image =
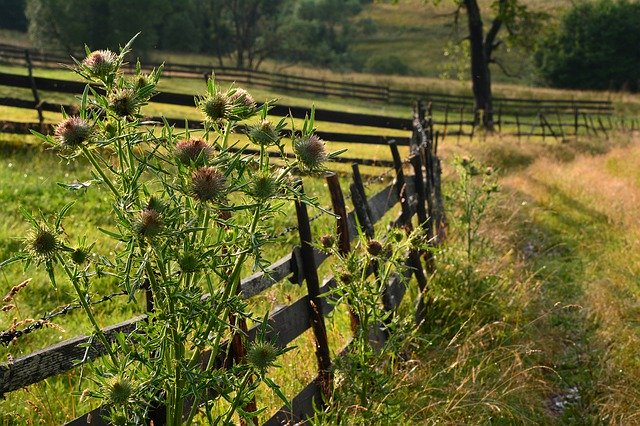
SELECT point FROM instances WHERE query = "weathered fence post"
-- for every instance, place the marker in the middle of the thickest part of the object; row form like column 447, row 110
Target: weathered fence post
column 310, row 274
column 344, row 245
column 405, row 217
column 34, row 91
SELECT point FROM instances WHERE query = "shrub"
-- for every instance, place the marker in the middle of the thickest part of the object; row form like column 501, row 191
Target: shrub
column 597, row 46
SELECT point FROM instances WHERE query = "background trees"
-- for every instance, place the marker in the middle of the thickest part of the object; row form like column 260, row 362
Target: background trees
column 244, row 31
column 596, row 46
column 512, row 22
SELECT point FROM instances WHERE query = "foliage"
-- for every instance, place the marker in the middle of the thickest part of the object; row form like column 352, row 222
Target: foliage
column 189, row 212
column 595, row 47
column 13, row 17
column 246, row 31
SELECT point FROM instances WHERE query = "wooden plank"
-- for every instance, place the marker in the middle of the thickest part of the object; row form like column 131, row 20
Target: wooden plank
column 302, row 406
column 56, row 359
column 310, row 271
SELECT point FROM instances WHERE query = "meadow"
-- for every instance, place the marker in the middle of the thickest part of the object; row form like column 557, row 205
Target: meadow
column 542, row 327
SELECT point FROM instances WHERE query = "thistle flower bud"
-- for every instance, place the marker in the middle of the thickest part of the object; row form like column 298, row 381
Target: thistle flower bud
column 241, row 97
column 207, row 184
column 43, row 244
column 311, row 151
column 262, row 354
column 374, row 247
column 118, row 390
column 100, row 62
column 72, row 132
column 123, row 102
column 263, row 134
column 327, row 241
column 149, row 223
column 215, row 107
column 80, row 255
column 192, row 151
column 263, row 186
column 189, row 262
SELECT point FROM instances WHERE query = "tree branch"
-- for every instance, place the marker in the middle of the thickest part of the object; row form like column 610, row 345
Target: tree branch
column 503, row 68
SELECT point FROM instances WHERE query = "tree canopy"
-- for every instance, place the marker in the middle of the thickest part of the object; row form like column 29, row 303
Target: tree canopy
column 596, row 46
column 247, row 31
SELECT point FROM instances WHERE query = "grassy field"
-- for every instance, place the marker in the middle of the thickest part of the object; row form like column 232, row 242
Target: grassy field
column 542, row 329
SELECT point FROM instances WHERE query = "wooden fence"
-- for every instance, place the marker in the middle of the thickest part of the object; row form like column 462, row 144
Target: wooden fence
column 442, row 102
column 419, row 197
column 39, row 86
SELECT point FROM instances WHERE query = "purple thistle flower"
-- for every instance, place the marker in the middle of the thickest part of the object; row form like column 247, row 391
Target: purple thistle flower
column 100, row 62
column 207, row 184
column 72, row 132
column 311, row 151
column 194, row 150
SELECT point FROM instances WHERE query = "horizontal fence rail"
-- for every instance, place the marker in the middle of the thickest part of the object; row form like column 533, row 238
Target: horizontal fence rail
column 70, row 87
column 340, row 88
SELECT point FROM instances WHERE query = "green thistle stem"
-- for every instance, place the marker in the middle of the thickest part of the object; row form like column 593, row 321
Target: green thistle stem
column 98, row 169
column 87, row 309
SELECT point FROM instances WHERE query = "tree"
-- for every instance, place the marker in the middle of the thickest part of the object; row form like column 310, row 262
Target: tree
column 520, row 24
column 12, row 16
column 100, row 24
column 596, row 46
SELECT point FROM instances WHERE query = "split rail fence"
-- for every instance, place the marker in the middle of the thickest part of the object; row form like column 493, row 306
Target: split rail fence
column 557, row 118
column 419, row 196
column 39, row 86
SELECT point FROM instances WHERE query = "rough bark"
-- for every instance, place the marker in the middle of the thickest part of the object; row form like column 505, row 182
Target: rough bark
column 480, row 59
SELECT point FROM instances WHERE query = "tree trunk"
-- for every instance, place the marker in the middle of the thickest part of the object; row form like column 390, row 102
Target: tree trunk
column 480, row 58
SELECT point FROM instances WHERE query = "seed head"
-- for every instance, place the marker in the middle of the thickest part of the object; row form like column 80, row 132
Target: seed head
column 149, row 223
column 311, row 151
column 72, row 132
column 374, row 247
column 216, row 107
column 123, row 102
column 263, row 134
column 118, row 390
column 100, row 62
column 262, row 354
column 263, row 186
column 43, row 244
column 207, row 184
column 192, row 151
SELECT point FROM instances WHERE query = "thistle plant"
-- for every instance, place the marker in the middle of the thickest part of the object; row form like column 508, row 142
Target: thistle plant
column 366, row 389
column 190, row 214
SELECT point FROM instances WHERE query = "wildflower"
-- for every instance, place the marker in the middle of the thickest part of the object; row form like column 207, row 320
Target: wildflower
column 194, row 150
column 149, row 223
column 43, row 244
column 262, row 354
column 215, row 107
column 242, row 98
column 207, row 184
column 123, row 102
column 100, row 62
column 72, row 132
column 263, row 134
column 311, row 151
column 263, row 186
column 374, row 247
column 118, row 390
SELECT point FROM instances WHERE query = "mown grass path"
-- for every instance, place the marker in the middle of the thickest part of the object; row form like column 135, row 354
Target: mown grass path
column 574, row 225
